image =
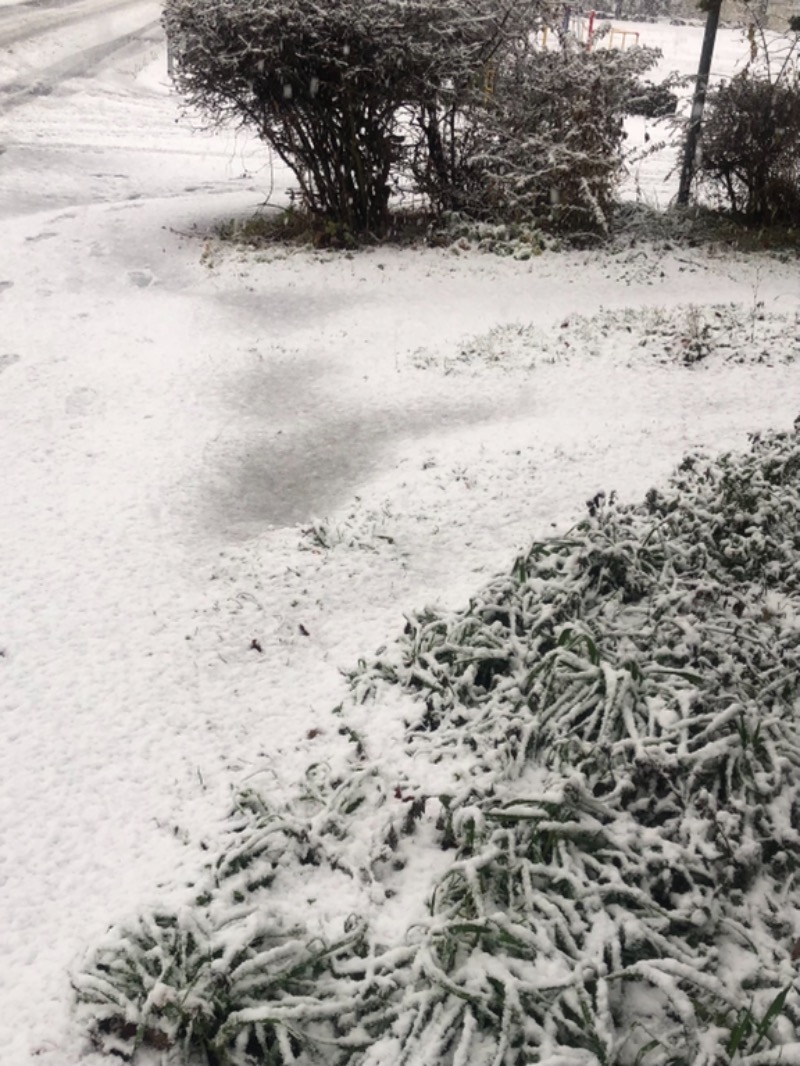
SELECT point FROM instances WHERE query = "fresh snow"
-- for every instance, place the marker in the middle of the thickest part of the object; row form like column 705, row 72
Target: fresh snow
column 228, row 473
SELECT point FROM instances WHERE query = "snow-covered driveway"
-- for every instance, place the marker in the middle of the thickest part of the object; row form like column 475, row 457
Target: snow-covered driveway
column 172, row 411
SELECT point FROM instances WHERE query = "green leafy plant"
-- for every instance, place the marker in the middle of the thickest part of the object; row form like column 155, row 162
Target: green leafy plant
column 581, row 846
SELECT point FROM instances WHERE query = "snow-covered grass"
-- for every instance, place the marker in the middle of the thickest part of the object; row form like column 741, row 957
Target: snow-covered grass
column 228, row 474
column 683, row 335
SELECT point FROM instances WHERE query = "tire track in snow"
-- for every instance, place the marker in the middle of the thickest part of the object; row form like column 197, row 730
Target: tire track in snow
column 19, row 23
column 43, row 82
column 21, row 5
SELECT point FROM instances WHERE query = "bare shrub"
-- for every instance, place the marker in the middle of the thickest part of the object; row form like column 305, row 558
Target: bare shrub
column 750, row 146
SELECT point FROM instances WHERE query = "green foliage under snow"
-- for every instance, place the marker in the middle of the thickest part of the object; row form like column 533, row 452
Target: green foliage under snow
column 687, row 335
column 568, row 817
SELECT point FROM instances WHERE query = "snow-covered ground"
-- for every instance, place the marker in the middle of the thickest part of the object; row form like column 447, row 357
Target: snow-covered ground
column 174, row 413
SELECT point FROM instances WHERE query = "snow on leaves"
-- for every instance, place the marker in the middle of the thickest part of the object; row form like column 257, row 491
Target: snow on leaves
column 688, row 336
column 568, row 817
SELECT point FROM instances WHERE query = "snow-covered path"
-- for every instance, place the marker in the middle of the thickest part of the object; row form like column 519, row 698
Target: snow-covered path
column 173, row 411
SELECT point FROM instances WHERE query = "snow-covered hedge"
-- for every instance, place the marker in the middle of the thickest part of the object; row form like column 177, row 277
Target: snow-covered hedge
column 330, row 84
column 548, row 143
column 467, row 102
column 560, row 826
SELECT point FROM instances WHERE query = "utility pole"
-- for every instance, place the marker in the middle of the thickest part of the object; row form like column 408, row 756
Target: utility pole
column 699, row 100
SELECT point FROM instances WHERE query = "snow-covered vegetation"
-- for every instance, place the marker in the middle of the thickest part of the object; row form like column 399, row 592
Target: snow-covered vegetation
column 468, row 105
column 230, row 472
column 689, row 335
column 563, row 823
column 750, row 157
column 492, row 111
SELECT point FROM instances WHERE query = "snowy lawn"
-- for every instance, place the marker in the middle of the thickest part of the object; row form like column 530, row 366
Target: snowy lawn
column 227, row 475
column 559, row 825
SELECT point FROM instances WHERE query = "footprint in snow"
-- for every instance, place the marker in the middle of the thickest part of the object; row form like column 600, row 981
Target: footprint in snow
column 6, row 285
column 83, row 401
column 8, row 360
column 140, row 278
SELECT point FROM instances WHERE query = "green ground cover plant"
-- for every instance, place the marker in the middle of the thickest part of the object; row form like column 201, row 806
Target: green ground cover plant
column 559, row 826
column 687, row 335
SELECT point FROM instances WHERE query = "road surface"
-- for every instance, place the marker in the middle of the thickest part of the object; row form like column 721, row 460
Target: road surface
column 43, row 43
column 87, row 116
